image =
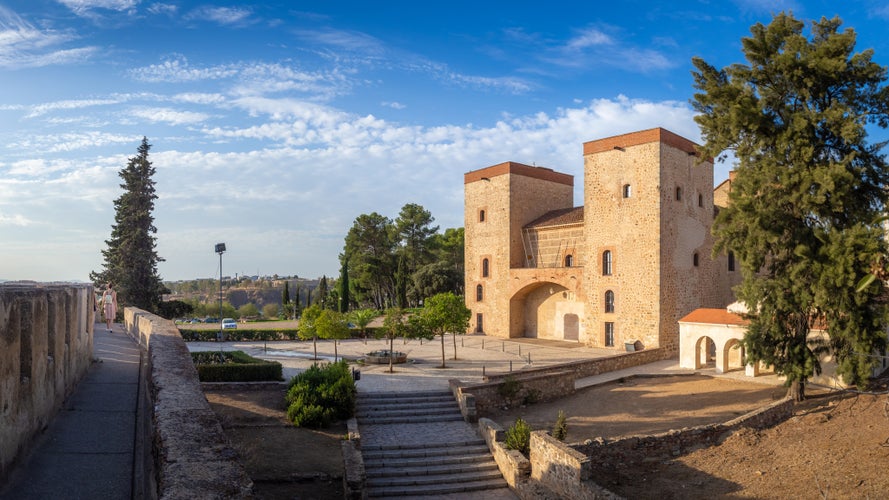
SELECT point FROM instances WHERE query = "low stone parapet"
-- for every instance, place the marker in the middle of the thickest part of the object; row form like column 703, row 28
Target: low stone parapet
column 480, row 400
column 193, row 458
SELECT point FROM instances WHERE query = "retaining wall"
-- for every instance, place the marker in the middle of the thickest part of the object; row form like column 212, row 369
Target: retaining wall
column 590, row 367
column 193, row 458
column 480, row 400
column 46, row 346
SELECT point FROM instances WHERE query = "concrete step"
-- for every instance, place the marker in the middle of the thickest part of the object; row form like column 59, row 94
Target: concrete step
column 437, row 489
column 415, row 419
column 430, row 468
column 364, row 411
column 434, row 479
column 415, row 398
column 456, row 450
column 396, row 446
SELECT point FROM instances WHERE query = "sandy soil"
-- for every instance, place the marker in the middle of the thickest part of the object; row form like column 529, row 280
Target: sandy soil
column 835, row 446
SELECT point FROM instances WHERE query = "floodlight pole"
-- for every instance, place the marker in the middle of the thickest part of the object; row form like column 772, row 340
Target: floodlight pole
column 220, row 249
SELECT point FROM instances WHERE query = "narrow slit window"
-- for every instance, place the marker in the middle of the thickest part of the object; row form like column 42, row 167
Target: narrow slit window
column 606, row 263
column 485, row 268
column 609, row 301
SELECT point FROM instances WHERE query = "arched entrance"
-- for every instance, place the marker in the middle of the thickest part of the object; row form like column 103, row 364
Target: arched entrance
column 546, row 310
column 733, row 356
column 705, row 353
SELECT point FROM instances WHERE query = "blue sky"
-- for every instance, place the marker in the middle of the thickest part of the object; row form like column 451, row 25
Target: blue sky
column 275, row 125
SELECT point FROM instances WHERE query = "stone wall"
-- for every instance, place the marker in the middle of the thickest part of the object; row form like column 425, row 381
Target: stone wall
column 480, row 400
column 589, row 367
column 565, row 468
column 193, row 458
column 46, row 346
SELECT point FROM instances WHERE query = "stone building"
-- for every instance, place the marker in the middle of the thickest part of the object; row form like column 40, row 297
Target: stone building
column 622, row 268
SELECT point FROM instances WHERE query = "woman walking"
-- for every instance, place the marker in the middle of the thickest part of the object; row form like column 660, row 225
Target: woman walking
column 109, row 305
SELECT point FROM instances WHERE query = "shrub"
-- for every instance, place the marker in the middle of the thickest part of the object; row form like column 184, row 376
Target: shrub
column 234, row 366
column 531, row 396
column 509, row 389
column 320, row 395
column 560, row 429
column 518, row 437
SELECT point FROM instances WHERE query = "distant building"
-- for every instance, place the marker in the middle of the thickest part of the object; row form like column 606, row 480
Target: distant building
column 624, row 267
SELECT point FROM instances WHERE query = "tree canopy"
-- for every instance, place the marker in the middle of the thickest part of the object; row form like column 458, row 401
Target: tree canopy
column 445, row 313
column 130, row 259
column 808, row 192
column 401, row 262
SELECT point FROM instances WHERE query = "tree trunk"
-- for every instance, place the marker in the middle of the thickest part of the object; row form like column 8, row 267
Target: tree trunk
column 391, row 341
column 797, row 390
column 442, row 351
column 335, row 353
column 315, row 346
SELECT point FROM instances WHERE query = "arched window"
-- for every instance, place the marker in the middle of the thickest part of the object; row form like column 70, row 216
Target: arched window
column 479, row 291
column 628, row 191
column 606, row 263
column 609, row 301
column 700, row 200
column 731, row 261
column 481, row 215
column 485, row 268
column 569, row 260
column 694, row 259
column 678, row 193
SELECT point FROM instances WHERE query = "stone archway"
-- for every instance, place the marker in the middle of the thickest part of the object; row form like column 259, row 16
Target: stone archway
column 734, row 357
column 546, row 310
column 705, row 353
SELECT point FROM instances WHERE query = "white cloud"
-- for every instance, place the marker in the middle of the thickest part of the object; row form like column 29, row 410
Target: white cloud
column 42, row 109
column 167, row 115
column 82, row 6
column 177, row 69
column 163, row 9
column 220, row 15
column 589, row 37
column 393, row 105
column 22, row 45
column 14, row 220
column 72, row 141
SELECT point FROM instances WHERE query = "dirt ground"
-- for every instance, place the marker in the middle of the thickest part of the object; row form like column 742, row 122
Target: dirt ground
column 285, row 462
column 835, row 446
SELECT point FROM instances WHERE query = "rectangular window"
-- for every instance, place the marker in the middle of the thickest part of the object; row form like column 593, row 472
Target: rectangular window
column 609, row 334
column 479, row 328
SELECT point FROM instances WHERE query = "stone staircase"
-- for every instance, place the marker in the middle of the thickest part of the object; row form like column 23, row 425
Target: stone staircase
column 418, row 444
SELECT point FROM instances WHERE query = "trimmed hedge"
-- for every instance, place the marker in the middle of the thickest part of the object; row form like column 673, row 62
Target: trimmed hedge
column 237, row 366
column 251, row 334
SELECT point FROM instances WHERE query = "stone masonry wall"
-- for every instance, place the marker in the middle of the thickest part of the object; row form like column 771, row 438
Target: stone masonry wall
column 46, row 346
column 192, row 454
column 539, row 387
column 588, row 367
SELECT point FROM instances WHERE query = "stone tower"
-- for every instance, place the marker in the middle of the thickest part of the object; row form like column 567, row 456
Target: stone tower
column 622, row 268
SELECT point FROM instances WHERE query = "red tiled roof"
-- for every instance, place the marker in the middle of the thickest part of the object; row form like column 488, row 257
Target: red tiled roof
column 559, row 217
column 713, row 317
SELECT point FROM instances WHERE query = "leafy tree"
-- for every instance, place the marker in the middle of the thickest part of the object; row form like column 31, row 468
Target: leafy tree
column 285, row 296
column 396, row 324
column 438, row 277
column 344, row 286
column 414, row 229
column 307, row 329
column 362, row 318
column 401, row 283
column 806, row 195
column 271, row 311
column 248, row 310
column 332, row 325
column 131, row 257
column 443, row 313
column 370, row 247
column 321, row 292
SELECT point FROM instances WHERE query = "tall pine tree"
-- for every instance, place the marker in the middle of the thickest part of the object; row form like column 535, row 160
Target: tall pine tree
column 807, row 195
column 131, row 257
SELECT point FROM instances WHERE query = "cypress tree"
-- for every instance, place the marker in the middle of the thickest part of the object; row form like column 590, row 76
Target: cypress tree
column 344, row 286
column 130, row 259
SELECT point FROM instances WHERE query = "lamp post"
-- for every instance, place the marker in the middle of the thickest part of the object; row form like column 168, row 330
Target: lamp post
column 220, row 249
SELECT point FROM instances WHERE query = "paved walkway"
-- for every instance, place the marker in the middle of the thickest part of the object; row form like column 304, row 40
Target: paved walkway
column 88, row 450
